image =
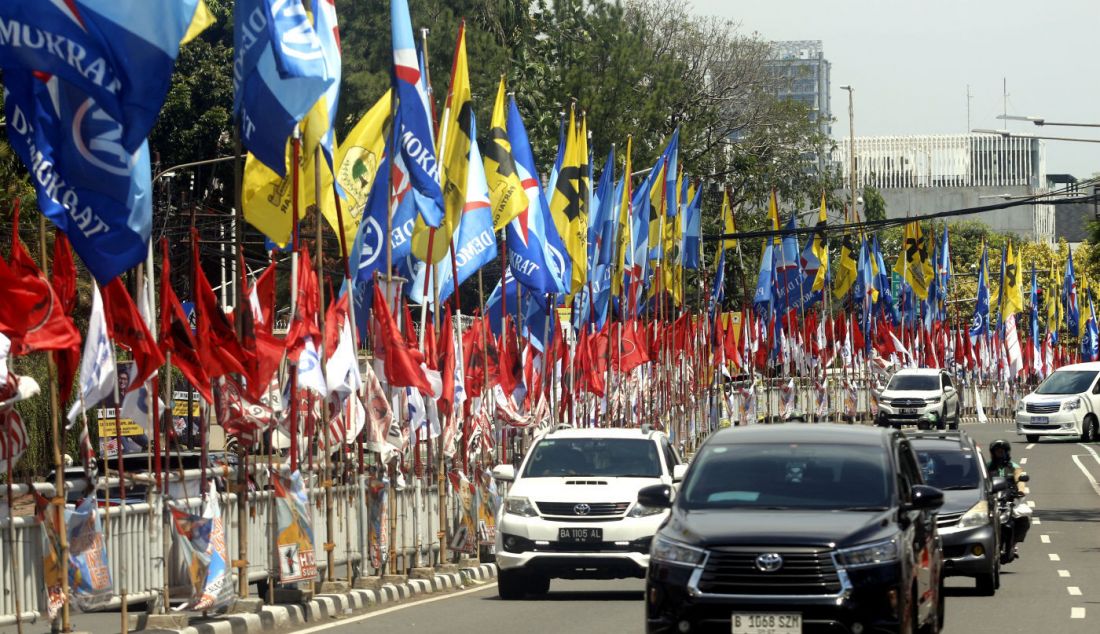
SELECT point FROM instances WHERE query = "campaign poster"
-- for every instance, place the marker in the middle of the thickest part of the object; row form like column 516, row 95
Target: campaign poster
column 89, row 573
column 51, row 555
column 295, row 530
column 202, row 540
column 378, row 499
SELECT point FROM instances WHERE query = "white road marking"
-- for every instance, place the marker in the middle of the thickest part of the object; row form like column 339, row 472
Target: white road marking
column 1077, row 613
column 1064, row 574
column 371, row 615
column 1074, row 591
column 1089, row 449
column 1088, row 476
column 1035, row 521
column 1030, row 446
column 1031, row 503
column 1023, row 461
column 1045, row 539
column 1054, row 557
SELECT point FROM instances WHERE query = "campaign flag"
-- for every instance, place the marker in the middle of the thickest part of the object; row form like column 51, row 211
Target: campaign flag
column 569, row 203
column 846, row 269
column 692, row 240
column 603, row 211
column 1012, row 298
column 913, row 263
column 97, row 365
column 980, row 323
column 88, row 184
column 788, row 272
column 119, row 54
column 536, row 253
column 1033, row 326
column 815, row 257
column 762, row 299
column 1069, row 296
column 507, row 192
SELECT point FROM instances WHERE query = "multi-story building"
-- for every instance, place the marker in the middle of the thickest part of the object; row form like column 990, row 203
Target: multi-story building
column 919, row 175
column 804, row 76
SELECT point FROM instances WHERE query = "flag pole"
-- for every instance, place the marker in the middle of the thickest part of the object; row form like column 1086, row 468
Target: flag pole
column 322, row 427
column 242, row 461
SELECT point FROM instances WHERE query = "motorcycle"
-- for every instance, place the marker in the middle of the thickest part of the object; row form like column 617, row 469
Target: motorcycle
column 1014, row 517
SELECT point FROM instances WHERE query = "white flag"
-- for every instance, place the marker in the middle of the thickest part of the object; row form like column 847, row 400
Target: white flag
column 309, row 370
column 342, row 368
column 97, row 365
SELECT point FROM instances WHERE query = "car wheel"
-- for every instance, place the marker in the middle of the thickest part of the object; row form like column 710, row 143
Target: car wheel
column 511, row 584
column 538, row 584
column 1088, row 429
column 1032, row 437
column 958, row 418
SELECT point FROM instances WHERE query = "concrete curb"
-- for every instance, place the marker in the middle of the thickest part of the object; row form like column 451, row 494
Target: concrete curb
column 992, row 420
column 326, row 607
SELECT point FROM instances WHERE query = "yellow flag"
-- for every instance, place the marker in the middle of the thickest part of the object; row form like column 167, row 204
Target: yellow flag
column 846, row 268
column 728, row 223
column 358, row 156
column 201, row 19
column 568, row 201
column 913, row 263
column 455, row 136
column 268, row 199
column 1053, row 301
column 657, row 202
column 506, row 193
column 820, row 248
column 773, row 213
column 626, row 240
column 1012, row 297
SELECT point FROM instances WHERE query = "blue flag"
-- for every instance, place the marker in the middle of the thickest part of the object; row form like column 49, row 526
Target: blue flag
column 1090, row 343
column 788, row 272
column 979, row 325
column 94, row 191
column 1069, row 297
column 762, row 299
column 604, row 209
column 535, row 250
column 279, row 72
column 120, row 55
column 1034, row 325
column 692, row 231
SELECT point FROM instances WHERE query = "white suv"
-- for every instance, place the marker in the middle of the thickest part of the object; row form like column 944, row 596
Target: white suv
column 1065, row 404
column 914, row 393
column 572, row 511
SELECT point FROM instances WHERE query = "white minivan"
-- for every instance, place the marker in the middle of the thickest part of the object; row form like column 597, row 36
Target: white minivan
column 1067, row 403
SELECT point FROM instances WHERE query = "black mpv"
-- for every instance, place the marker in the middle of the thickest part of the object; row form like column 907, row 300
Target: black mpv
column 784, row 529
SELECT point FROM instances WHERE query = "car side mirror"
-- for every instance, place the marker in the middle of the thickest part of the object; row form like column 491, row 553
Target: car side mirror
column 657, row 496
column 999, row 484
column 1024, row 477
column 504, row 473
column 925, row 498
column 678, row 472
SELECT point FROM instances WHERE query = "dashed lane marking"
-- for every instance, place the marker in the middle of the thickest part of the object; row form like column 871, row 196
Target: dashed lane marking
column 1064, row 574
column 1088, row 476
column 1031, row 503
column 1054, row 557
column 1030, row 446
column 1036, row 521
column 1074, row 591
column 1077, row 613
column 1023, row 461
column 1045, row 539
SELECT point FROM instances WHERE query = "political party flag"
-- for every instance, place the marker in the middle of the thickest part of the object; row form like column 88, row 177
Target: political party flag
column 1033, row 326
column 568, row 205
column 820, row 249
column 914, row 265
column 692, row 240
column 847, row 268
column 506, row 190
column 729, row 222
column 128, row 329
column 535, row 251
column 280, row 70
column 359, row 160
column 1069, row 296
column 120, row 55
column 97, row 365
column 765, row 282
column 980, row 323
column 1012, row 299
column 603, row 210
column 788, row 272
column 623, row 248
column 88, row 184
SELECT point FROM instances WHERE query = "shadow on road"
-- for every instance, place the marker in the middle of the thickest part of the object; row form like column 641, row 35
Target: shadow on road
column 1068, row 515
column 581, row 596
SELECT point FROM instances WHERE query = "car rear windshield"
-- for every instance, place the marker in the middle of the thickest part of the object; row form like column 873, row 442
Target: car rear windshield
column 599, row 457
column 914, row 382
column 789, row 476
column 1067, row 382
column 949, row 469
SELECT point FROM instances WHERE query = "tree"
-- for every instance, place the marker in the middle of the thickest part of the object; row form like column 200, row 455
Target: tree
column 874, row 205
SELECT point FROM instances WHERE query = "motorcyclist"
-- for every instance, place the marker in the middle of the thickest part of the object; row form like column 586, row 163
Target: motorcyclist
column 1001, row 465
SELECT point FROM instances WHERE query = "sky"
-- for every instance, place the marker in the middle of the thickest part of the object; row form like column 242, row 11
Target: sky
column 910, row 64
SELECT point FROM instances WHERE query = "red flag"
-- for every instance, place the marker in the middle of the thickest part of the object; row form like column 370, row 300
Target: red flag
column 446, row 347
column 219, row 349
column 31, row 314
column 307, row 304
column 431, row 354
column 263, row 350
column 586, row 377
column 633, row 352
column 334, row 321
column 859, row 344
column 128, row 329
column 510, row 363
column 733, row 350
column 261, row 296
column 63, row 280
column 176, row 336
column 402, row 364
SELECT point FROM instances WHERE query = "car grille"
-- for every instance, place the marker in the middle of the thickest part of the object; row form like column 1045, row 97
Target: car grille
column 804, row 572
column 907, row 402
column 595, row 509
column 943, row 520
column 1043, row 408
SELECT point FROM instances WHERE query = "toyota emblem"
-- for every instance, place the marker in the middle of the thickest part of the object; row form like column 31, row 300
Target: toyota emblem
column 769, row 562
column 582, row 509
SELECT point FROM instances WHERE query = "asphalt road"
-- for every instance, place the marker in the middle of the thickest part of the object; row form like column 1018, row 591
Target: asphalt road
column 1053, row 588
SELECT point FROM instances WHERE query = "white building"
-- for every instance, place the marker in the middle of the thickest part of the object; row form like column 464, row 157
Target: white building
column 919, row 175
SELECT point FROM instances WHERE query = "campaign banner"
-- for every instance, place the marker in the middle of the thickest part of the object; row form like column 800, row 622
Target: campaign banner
column 464, row 537
column 89, row 573
column 51, row 555
column 377, row 534
column 202, row 541
column 489, row 502
column 295, row 529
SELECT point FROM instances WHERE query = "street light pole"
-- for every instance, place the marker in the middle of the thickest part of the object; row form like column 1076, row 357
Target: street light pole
column 851, row 150
column 1012, row 135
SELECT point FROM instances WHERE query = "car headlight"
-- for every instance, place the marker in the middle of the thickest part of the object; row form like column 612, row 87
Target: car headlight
column 641, row 510
column 673, row 552
column 1071, row 405
column 978, row 515
column 874, row 554
column 932, row 401
column 1021, row 407
column 520, row 506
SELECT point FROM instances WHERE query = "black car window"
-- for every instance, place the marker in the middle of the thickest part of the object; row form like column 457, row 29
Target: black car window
column 914, row 382
column 670, row 454
column 1067, row 382
column 949, row 469
column 908, row 472
column 788, row 476
column 601, row 457
column 947, row 381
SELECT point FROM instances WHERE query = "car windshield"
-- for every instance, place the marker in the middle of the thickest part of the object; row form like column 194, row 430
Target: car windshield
column 948, row 469
column 1067, row 382
column 788, row 476
column 601, row 457
column 914, row 382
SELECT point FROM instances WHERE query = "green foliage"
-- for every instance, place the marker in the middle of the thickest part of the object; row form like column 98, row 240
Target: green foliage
column 874, row 205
